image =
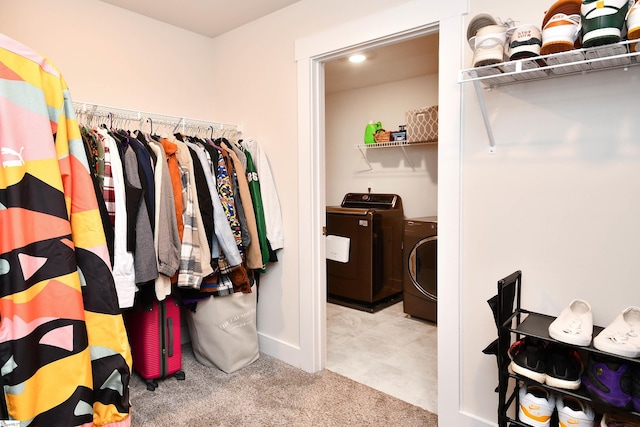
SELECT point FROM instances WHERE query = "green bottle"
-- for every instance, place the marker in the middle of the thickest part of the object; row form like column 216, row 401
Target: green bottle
column 369, row 131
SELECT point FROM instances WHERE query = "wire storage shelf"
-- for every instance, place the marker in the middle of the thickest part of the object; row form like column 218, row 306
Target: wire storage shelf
column 577, row 61
column 390, row 144
column 621, row 55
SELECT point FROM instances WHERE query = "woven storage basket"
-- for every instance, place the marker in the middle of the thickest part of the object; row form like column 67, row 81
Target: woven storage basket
column 422, row 124
column 383, row 136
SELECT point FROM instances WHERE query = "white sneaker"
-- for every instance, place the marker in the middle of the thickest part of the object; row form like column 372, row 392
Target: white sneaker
column 622, row 336
column 525, row 42
column 536, row 406
column 574, row 325
column 489, row 45
column 573, row 412
column 633, row 25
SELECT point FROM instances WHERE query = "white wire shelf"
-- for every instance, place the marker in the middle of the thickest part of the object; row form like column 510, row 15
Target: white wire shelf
column 577, row 61
column 393, row 144
column 621, row 55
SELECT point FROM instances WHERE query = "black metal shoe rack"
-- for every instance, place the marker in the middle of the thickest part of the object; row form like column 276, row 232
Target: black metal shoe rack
column 513, row 324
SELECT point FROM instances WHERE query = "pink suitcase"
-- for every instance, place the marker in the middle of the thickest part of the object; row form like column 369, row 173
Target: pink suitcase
column 154, row 336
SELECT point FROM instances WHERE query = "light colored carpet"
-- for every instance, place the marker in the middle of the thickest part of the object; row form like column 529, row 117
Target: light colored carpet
column 267, row 393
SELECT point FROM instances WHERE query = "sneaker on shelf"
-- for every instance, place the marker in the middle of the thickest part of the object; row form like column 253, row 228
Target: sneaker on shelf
column 619, row 420
column 563, row 367
column 525, row 42
column 608, row 380
column 635, row 387
column 561, row 27
column 602, row 21
column 489, row 45
column 622, row 336
column 481, row 20
column 574, row 325
column 572, row 412
column 528, row 358
column 536, row 406
column 633, row 25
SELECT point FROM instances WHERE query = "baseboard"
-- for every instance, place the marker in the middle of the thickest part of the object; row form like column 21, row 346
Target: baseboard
column 286, row 352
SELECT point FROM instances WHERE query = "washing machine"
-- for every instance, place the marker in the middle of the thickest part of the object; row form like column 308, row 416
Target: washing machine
column 365, row 271
column 420, row 261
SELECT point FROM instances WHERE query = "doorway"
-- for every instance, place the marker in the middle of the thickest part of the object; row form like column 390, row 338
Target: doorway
column 387, row 350
column 405, row 21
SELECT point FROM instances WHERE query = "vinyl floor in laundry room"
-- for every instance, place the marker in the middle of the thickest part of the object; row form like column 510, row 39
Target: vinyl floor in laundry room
column 387, row 350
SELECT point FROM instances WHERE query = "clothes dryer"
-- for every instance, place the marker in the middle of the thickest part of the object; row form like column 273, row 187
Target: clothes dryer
column 420, row 259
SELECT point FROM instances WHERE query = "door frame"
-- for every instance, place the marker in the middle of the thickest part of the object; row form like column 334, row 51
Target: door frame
column 409, row 20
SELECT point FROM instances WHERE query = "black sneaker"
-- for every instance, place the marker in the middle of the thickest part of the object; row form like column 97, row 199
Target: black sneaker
column 563, row 367
column 528, row 358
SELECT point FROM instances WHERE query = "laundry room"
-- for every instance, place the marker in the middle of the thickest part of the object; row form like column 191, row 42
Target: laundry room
column 381, row 197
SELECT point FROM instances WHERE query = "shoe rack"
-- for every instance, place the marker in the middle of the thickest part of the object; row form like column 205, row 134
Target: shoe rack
column 578, row 61
column 519, row 323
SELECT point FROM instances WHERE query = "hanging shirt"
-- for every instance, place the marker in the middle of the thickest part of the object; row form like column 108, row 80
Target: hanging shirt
column 165, row 235
column 123, row 265
column 270, row 200
column 66, row 363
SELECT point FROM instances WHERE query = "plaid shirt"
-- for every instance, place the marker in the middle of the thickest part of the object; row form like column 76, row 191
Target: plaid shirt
column 190, row 270
column 108, row 191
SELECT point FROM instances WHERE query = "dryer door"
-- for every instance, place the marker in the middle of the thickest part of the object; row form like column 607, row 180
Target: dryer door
column 423, row 267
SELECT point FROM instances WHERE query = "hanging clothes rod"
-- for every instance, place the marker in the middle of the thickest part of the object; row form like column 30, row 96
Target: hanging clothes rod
column 107, row 112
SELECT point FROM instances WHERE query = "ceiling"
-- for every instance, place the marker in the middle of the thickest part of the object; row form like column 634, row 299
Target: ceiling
column 399, row 61
column 207, row 17
column 211, row 18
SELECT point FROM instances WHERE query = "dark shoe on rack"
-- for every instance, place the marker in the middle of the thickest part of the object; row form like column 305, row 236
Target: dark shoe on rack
column 619, row 420
column 635, row 387
column 563, row 367
column 608, row 380
column 528, row 358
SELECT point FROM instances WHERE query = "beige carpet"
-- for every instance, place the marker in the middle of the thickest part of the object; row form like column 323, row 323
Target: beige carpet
column 267, row 393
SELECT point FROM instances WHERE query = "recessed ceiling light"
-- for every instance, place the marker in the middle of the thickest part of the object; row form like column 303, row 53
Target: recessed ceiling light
column 358, row 58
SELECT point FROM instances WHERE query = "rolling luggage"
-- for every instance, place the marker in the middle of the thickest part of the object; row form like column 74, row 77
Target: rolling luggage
column 154, row 336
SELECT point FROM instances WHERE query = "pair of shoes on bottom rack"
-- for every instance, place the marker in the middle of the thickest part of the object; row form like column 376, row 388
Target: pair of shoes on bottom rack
column 537, row 405
column 547, row 363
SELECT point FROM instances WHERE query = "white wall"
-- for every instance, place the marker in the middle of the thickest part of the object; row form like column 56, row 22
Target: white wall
column 257, row 82
column 559, row 200
column 113, row 57
column 348, row 112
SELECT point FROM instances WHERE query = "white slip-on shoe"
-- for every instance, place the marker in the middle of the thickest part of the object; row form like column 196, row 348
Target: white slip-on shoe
column 622, row 336
column 536, row 405
column 572, row 412
column 574, row 325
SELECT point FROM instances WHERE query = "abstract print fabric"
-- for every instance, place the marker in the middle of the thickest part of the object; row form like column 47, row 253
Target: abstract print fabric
column 64, row 355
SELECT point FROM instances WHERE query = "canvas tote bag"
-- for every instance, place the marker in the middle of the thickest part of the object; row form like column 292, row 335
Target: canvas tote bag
column 223, row 331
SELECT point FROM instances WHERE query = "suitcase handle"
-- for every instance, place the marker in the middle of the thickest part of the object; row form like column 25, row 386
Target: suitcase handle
column 170, row 330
